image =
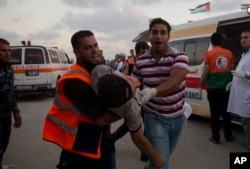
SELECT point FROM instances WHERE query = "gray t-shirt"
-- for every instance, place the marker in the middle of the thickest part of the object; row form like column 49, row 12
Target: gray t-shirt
column 131, row 110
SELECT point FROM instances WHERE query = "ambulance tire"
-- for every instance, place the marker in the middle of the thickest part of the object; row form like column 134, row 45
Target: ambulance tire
column 53, row 92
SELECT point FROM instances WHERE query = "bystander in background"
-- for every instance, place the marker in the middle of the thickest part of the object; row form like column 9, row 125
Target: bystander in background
column 8, row 102
column 239, row 99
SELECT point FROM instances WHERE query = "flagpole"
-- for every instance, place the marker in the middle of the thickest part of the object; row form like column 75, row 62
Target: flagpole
column 209, row 9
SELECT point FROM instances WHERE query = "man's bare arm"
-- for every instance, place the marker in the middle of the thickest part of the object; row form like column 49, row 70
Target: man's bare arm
column 144, row 145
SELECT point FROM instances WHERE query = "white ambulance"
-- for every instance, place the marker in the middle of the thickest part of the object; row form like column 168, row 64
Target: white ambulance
column 38, row 68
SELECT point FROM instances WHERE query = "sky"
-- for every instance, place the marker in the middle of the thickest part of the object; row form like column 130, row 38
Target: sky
column 115, row 23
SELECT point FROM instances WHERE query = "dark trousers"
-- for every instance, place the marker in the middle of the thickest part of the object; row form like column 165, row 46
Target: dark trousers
column 108, row 160
column 5, row 130
column 218, row 101
column 246, row 126
column 70, row 160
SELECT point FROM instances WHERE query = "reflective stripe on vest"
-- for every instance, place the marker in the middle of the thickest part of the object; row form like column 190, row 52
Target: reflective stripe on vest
column 63, row 120
column 62, row 124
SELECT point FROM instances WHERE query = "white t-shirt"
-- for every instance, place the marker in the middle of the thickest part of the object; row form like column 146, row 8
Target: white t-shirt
column 119, row 66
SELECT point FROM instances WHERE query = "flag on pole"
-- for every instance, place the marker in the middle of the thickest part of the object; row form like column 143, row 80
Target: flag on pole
column 201, row 8
column 245, row 6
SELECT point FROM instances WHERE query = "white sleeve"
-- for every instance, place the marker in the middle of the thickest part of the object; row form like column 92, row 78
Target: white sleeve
column 119, row 66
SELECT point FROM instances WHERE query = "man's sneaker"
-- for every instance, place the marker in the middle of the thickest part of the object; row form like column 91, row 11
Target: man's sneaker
column 214, row 141
column 230, row 139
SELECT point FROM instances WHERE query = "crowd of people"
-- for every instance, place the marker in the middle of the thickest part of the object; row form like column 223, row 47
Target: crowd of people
column 147, row 91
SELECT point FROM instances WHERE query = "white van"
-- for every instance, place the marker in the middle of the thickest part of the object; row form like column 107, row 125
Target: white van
column 38, row 68
column 194, row 39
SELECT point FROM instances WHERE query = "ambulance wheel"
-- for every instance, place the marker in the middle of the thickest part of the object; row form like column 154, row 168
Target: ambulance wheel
column 53, row 92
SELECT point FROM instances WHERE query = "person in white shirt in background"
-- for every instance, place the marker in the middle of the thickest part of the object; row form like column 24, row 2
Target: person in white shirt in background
column 122, row 58
column 239, row 99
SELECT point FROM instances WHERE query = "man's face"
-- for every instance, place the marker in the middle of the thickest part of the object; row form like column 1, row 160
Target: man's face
column 245, row 40
column 159, row 37
column 88, row 51
column 132, row 52
column 5, row 52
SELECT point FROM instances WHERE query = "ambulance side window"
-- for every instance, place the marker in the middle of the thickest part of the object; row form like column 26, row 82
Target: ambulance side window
column 54, row 56
column 178, row 45
column 62, row 57
column 202, row 47
column 34, row 56
column 16, row 56
column 195, row 48
column 190, row 50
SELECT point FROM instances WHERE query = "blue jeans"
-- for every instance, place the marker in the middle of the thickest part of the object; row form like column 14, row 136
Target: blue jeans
column 163, row 133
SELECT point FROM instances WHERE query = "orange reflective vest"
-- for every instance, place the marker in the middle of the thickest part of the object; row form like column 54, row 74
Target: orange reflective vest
column 131, row 61
column 128, row 66
column 69, row 128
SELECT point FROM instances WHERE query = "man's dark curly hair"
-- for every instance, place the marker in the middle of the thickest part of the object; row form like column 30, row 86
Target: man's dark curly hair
column 113, row 90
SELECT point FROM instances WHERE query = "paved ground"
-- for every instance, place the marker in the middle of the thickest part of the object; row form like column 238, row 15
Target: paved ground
column 28, row 151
